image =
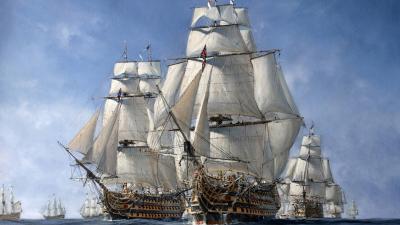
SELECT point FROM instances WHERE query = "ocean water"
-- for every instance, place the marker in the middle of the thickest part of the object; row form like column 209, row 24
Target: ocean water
column 155, row 222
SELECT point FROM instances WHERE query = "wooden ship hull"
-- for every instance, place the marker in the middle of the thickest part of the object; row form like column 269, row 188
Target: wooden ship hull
column 217, row 201
column 58, row 217
column 128, row 205
column 11, row 216
column 308, row 208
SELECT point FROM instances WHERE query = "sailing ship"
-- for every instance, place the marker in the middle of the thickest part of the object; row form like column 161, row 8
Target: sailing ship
column 334, row 201
column 9, row 208
column 353, row 210
column 54, row 210
column 91, row 208
column 227, row 112
column 308, row 186
column 136, row 180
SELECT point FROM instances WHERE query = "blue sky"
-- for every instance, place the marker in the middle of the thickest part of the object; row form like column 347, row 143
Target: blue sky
column 341, row 60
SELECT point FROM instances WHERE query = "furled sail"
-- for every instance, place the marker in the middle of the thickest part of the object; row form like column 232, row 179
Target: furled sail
column 83, row 140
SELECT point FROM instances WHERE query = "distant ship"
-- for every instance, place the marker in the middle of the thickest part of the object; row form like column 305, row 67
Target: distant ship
column 136, row 181
column 308, row 189
column 54, row 210
column 353, row 210
column 91, row 208
column 9, row 208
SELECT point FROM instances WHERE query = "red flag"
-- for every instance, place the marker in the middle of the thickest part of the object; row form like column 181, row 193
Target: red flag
column 204, row 57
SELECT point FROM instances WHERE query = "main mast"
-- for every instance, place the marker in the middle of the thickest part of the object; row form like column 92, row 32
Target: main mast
column 227, row 113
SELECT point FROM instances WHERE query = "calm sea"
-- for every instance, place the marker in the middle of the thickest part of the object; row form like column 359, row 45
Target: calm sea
column 153, row 222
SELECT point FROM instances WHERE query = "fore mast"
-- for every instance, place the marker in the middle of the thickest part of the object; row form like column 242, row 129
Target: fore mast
column 227, row 112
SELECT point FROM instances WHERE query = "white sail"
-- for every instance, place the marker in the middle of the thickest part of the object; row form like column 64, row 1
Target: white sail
column 146, row 168
column 169, row 90
column 248, row 39
column 268, row 91
column 281, row 136
column 222, row 14
column 222, row 39
column 149, row 86
column 183, row 109
column 231, row 86
column 201, row 136
column 290, row 168
column 286, row 91
column 149, row 73
column 133, row 120
column 108, row 161
column 242, row 142
column 126, row 85
column 327, row 171
column 314, row 170
column 125, row 68
column 311, row 145
column 103, row 141
column 149, row 69
column 334, row 194
column 83, row 140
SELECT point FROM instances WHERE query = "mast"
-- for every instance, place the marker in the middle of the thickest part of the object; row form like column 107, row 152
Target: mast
column 3, row 201
column 251, row 127
column 12, row 206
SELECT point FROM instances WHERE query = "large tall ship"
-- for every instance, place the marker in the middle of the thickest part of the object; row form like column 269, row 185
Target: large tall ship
column 54, row 209
column 308, row 189
column 9, row 208
column 136, row 181
column 227, row 112
column 91, row 208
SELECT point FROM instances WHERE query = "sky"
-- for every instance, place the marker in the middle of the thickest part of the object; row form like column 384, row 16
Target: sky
column 341, row 59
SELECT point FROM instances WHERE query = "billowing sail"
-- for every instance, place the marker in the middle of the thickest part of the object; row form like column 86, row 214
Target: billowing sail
column 201, row 136
column 222, row 14
column 311, row 145
column 106, row 144
column 268, row 91
column 146, row 168
column 327, row 171
column 125, row 68
column 221, row 39
column 150, row 74
column 231, row 86
column 83, row 140
column 183, row 109
column 133, row 122
column 169, row 90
